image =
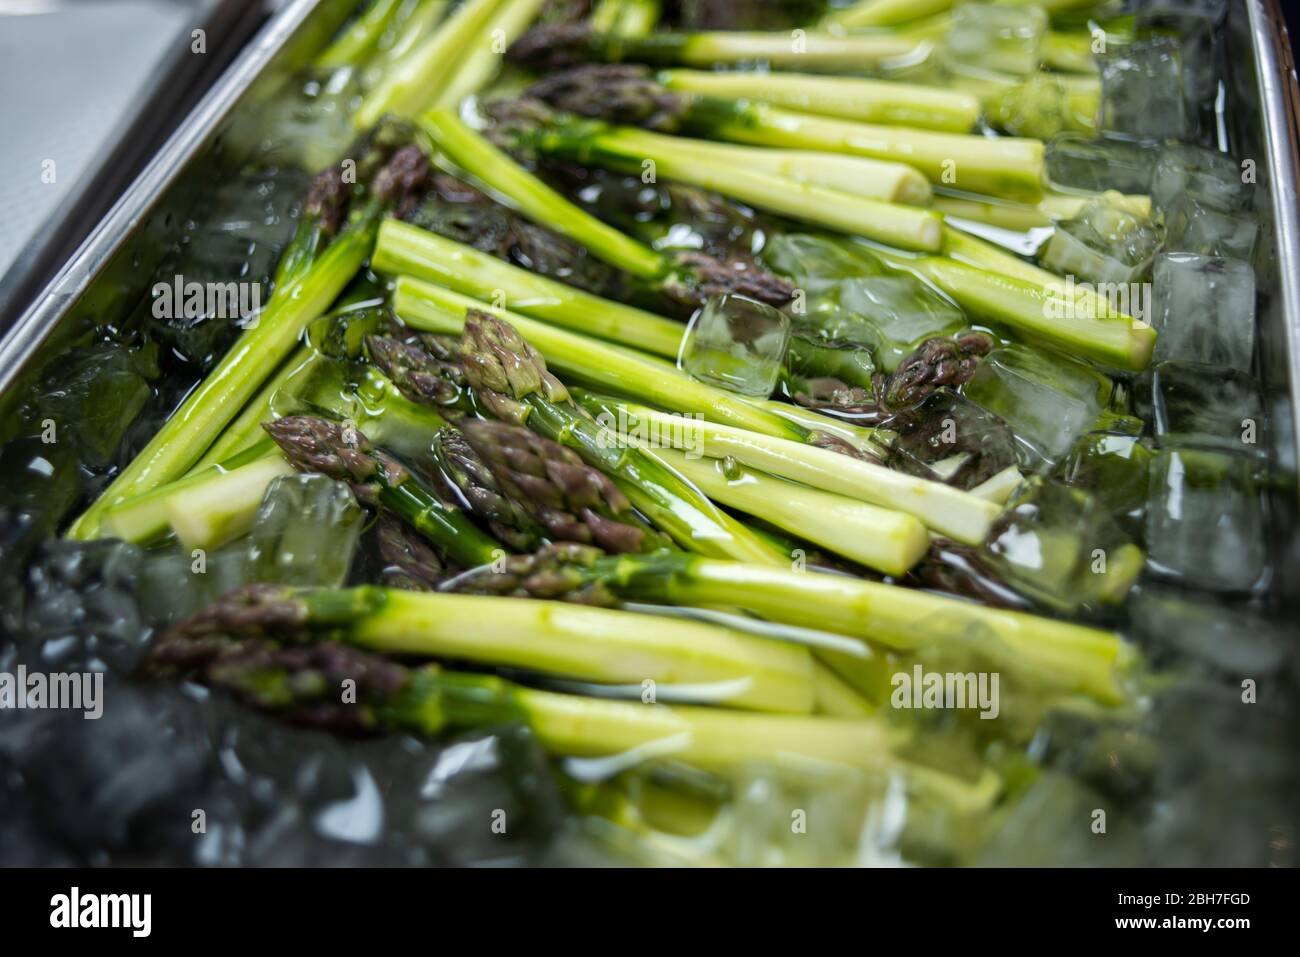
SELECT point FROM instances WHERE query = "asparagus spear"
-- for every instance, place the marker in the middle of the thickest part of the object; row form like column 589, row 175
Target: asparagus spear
column 413, row 32
column 555, row 46
column 403, row 249
column 889, row 541
column 1080, row 324
column 584, row 642
column 507, row 24
column 688, row 277
column 571, row 500
column 886, row 540
column 625, row 18
column 957, row 514
column 511, row 379
column 1054, row 654
column 304, row 681
column 246, row 430
column 722, row 169
column 181, row 442
column 1004, row 166
column 848, row 98
column 143, row 518
column 888, row 13
column 434, row 309
column 344, row 453
column 355, row 44
column 417, row 81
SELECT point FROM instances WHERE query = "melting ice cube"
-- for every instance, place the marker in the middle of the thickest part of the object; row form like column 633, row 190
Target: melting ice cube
column 736, row 343
column 1204, row 309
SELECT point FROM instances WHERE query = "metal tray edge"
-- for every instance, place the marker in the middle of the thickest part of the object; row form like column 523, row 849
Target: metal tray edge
column 40, row 318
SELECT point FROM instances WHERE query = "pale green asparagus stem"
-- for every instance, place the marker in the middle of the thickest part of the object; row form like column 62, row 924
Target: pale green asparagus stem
column 483, row 61
column 418, row 80
column 246, row 430
column 716, row 168
column 359, row 40
column 403, row 249
column 209, row 513
column 848, row 98
column 950, row 511
column 495, row 170
column 886, row 540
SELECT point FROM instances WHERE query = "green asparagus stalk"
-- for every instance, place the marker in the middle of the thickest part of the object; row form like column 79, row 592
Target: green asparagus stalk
column 886, row 540
column 625, row 18
column 724, row 170
column 1053, row 654
column 689, row 277
column 356, row 43
column 593, row 644
column 886, row 13
column 947, row 510
column 344, row 453
column 848, row 98
column 535, row 199
column 304, row 682
column 1021, row 216
column 998, row 286
column 435, row 309
column 222, row 507
column 1070, row 52
column 413, row 32
column 483, row 62
column 403, row 249
column 246, row 430
column 417, row 81
column 143, row 518
column 552, row 46
column 1003, row 166
column 889, row 13
column 511, row 378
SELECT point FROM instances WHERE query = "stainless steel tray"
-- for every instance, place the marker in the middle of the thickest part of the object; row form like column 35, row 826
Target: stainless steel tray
column 111, row 269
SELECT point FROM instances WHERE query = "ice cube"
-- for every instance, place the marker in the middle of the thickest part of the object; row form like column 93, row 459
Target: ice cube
column 1113, row 467
column 1047, row 403
column 1204, row 309
column 816, row 265
column 1005, row 39
column 306, row 531
column 1077, row 162
column 1105, row 242
column 1060, row 547
column 1193, row 402
column 1193, row 227
column 1193, row 31
column 903, row 311
column 175, row 583
column 1142, row 89
column 949, row 438
column 736, row 343
column 1205, row 519
column 1177, row 628
column 1208, row 176
column 1040, row 106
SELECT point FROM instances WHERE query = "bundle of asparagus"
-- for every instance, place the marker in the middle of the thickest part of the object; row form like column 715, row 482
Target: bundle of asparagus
column 553, row 491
